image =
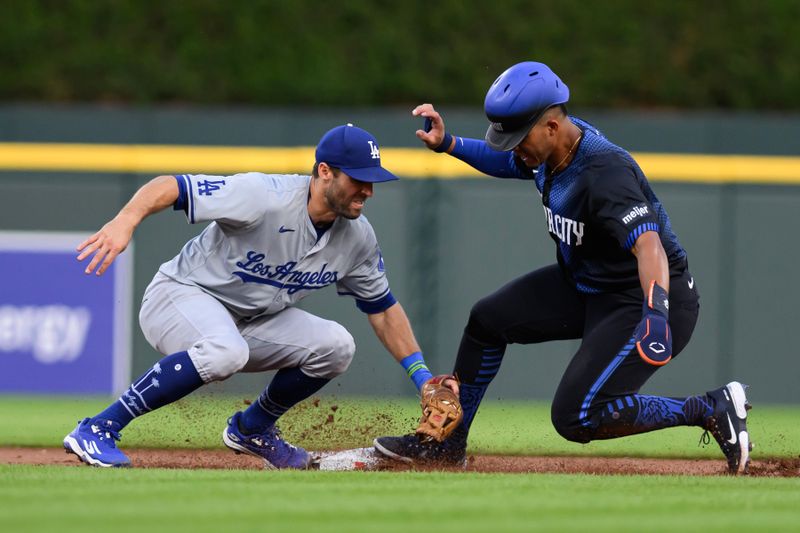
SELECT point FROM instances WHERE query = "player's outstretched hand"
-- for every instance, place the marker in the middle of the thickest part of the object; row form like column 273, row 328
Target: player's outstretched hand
column 106, row 244
column 433, row 132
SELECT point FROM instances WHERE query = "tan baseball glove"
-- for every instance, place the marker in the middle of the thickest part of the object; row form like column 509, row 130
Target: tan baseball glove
column 441, row 410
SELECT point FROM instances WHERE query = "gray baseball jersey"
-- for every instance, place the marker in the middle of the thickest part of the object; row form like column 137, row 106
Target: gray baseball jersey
column 261, row 253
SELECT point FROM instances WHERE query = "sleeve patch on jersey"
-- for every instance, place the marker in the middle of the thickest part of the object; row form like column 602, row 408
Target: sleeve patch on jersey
column 638, row 211
column 637, row 232
column 208, row 187
column 376, row 306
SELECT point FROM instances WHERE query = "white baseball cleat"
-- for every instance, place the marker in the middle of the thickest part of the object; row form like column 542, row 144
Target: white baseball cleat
column 728, row 425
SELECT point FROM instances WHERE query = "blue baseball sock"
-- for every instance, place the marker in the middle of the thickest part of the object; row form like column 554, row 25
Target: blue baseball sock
column 476, row 366
column 170, row 379
column 289, row 387
column 638, row 413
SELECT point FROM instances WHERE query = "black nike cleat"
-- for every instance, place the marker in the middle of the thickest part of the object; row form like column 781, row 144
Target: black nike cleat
column 410, row 449
column 728, row 425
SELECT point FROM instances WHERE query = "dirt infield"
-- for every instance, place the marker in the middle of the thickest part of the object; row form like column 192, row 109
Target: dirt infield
column 223, row 459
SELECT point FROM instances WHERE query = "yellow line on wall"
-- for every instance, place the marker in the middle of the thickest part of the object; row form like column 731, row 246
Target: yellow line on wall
column 406, row 162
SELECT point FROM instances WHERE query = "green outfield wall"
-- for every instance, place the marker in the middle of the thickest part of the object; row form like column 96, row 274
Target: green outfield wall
column 450, row 237
column 732, row 54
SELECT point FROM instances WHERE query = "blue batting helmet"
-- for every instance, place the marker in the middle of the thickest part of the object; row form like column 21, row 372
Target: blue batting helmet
column 517, row 99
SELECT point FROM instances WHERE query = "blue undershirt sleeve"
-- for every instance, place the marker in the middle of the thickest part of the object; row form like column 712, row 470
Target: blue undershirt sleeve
column 478, row 155
column 377, row 306
column 182, row 203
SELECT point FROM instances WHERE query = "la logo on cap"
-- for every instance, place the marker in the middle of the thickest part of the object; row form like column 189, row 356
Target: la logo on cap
column 343, row 147
column 373, row 150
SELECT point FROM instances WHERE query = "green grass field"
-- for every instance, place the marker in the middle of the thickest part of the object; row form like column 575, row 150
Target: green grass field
column 513, row 428
column 84, row 499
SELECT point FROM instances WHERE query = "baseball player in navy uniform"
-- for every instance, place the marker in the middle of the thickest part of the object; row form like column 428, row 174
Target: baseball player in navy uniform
column 225, row 303
column 621, row 282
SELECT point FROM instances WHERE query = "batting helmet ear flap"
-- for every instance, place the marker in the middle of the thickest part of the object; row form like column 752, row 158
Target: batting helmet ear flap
column 517, row 99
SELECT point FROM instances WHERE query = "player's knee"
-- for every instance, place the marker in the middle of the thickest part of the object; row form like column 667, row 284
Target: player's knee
column 343, row 348
column 481, row 326
column 218, row 358
column 568, row 425
column 334, row 355
column 571, row 431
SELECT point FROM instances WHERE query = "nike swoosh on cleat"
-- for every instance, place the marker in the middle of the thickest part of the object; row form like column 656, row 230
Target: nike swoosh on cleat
column 732, row 440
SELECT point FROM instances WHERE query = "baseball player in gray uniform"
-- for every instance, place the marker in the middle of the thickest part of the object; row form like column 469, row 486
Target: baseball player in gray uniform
column 225, row 303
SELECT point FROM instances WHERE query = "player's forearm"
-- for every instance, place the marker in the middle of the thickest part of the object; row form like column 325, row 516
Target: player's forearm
column 652, row 261
column 393, row 329
column 156, row 195
column 478, row 155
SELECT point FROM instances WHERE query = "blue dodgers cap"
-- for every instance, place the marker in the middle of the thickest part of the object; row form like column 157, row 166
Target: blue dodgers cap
column 355, row 151
column 516, row 101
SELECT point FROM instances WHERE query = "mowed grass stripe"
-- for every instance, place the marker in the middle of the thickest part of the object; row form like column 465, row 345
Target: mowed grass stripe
column 407, row 162
column 78, row 499
column 501, row 427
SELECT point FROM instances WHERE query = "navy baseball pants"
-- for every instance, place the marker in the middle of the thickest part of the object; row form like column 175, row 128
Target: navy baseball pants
column 597, row 397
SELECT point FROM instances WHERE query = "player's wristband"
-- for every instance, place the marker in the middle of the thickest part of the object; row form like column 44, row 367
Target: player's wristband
column 446, row 141
column 416, row 369
column 445, row 144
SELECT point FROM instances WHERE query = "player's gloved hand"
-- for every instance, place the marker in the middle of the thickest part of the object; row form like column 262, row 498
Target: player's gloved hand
column 652, row 335
column 441, row 409
column 432, row 133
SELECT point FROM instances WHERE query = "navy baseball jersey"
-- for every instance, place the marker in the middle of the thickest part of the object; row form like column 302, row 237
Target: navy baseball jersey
column 594, row 209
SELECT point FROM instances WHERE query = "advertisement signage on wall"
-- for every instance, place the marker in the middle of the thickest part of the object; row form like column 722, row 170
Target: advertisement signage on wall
column 61, row 331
